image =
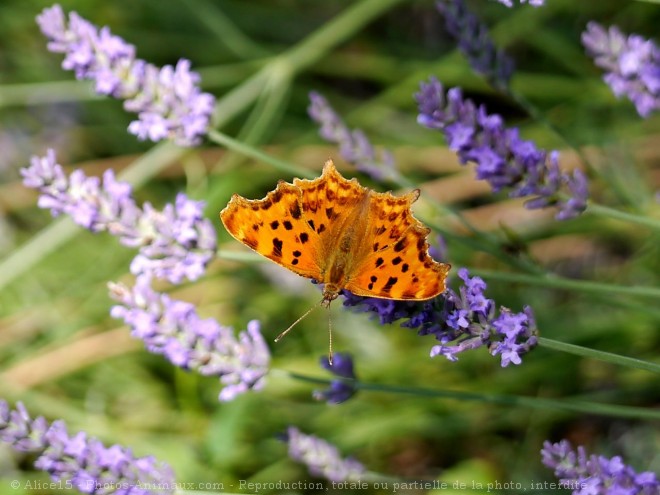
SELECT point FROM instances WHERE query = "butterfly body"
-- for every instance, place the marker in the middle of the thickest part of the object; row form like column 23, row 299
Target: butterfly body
column 339, row 262
column 341, row 234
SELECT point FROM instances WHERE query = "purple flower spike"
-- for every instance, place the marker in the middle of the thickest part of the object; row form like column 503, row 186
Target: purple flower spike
column 173, row 328
column 322, row 458
column 533, row 3
column 20, row 431
column 354, row 146
column 339, row 390
column 168, row 100
column 83, row 462
column 460, row 321
column 182, row 241
column 175, row 244
column 631, row 64
column 502, row 158
column 596, row 474
column 475, row 43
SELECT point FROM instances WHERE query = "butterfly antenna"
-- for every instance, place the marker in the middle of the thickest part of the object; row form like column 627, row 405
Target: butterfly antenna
column 329, row 337
column 280, row 336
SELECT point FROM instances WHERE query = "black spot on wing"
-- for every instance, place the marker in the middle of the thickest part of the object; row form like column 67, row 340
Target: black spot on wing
column 379, row 262
column 304, row 237
column 404, row 267
column 397, row 260
column 250, row 242
column 400, row 246
column 287, row 225
column 277, row 248
column 409, row 295
column 274, row 224
column 295, row 211
column 390, row 283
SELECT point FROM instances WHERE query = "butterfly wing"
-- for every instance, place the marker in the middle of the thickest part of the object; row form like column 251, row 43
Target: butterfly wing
column 398, row 265
column 275, row 228
column 327, row 199
column 302, row 225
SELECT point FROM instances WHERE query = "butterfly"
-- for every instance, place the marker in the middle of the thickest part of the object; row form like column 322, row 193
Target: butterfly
column 340, row 234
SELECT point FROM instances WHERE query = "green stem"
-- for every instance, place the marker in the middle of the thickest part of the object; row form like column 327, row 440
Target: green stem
column 45, row 93
column 605, row 211
column 239, row 98
column 46, row 241
column 316, row 45
column 337, row 30
column 600, row 355
column 225, row 29
column 298, row 58
column 242, row 256
column 556, row 282
column 541, row 117
column 233, row 144
column 268, row 109
column 506, row 400
column 486, row 245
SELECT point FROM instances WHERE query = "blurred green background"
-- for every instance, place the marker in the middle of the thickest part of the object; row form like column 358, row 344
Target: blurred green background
column 63, row 355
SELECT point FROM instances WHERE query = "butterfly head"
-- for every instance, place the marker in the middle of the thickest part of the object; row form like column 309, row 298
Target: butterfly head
column 330, row 293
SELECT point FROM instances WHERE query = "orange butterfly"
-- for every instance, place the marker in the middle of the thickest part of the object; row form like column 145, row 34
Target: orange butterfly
column 342, row 235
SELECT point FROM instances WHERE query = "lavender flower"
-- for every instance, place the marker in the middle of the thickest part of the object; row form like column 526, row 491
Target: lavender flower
column 322, row 458
column 20, row 431
column 632, row 65
column 167, row 100
column 503, row 159
column 83, row 462
column 174, row 329
column 596, row 474
column 176, row 243
column 460, row 321
column 533, row 3
column 354, row 146
column 339, row 390
column 475, row 43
